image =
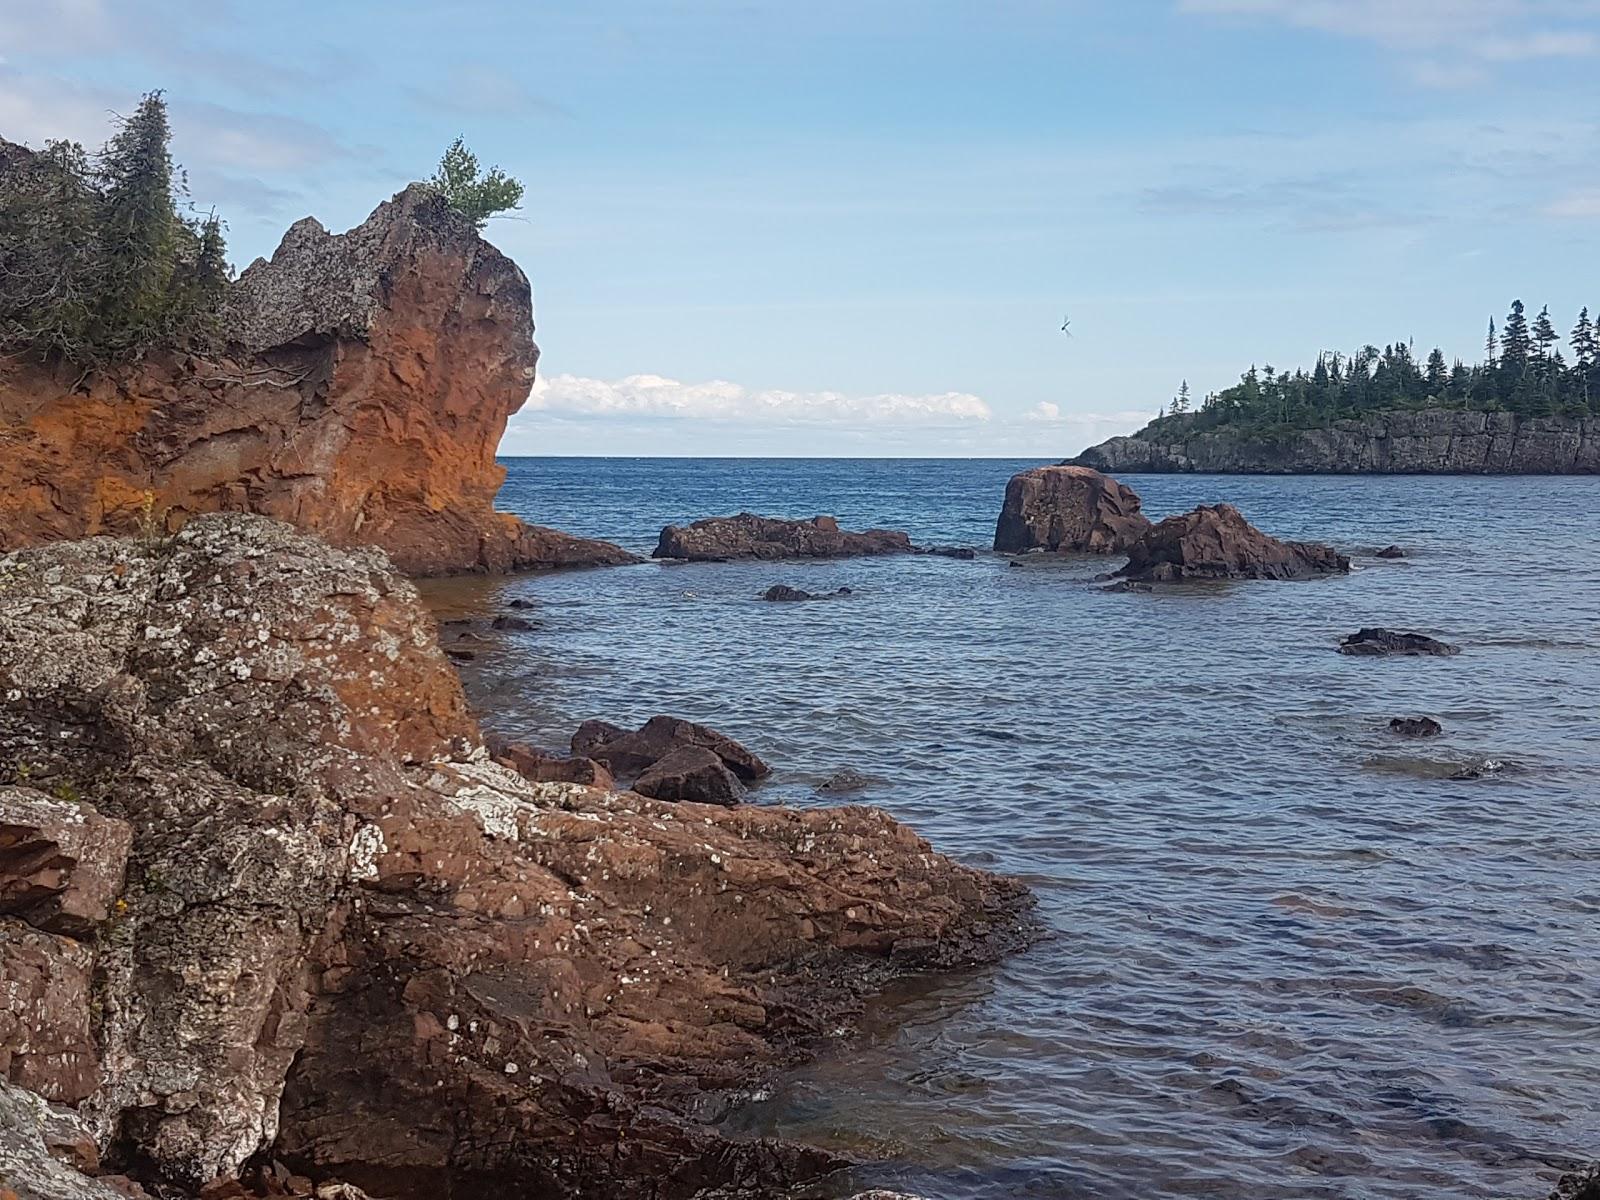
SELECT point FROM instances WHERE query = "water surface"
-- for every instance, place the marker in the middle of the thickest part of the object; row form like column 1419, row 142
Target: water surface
column 1288, row 955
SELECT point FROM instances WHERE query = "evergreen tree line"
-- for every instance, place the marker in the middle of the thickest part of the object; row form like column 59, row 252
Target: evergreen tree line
column 1524, row 371
column 99, row 260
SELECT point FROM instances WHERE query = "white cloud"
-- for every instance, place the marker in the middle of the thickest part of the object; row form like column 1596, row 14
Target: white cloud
column 1581, row 205
column 1456, row 33
column 719, row 400
column 1044, row 411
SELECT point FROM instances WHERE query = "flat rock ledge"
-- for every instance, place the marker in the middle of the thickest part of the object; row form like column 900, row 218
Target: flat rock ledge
column 276, row 903
column 747, row 536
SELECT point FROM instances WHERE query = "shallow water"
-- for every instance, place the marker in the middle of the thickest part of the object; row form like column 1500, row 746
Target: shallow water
column 1288, row 956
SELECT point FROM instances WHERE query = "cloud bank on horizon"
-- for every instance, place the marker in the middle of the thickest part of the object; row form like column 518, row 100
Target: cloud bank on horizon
column 875, row 220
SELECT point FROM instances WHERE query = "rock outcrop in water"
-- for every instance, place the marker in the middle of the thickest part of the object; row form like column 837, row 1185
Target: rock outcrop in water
column 1397, row 442
column 1216, row 542
column 747, row 536
column 337, row 933
column 367, row 380
column 1379, row 643
column 1068, row 508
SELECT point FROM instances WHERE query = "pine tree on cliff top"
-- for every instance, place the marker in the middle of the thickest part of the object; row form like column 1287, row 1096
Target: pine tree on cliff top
column 475, row 195
column 139, row 229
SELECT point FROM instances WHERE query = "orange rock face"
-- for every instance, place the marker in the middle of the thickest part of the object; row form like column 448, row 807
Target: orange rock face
column 368, row 380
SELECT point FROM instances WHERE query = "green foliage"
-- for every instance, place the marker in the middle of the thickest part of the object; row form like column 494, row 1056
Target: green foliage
column 97, row 262
column 1523, row 372
column 470, row 192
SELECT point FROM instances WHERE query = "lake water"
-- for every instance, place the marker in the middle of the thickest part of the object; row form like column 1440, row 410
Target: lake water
column 1286, row 954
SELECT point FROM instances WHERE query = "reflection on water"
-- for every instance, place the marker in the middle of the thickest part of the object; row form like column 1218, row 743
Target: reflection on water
column 1291, row 954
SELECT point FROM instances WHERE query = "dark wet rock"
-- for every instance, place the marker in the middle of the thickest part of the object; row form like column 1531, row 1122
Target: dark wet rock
column 350, row 942
column 965, row 553
column 512, row 624
column 1416, row 727
column 1129, row 585
column 782, row 592
column 1389, row 552
column 1378, row 642
column 519, row 602
column 457, row 654
column 690, row 773
column 723, row 539
column 1579, row 1185
column 591, row 735
column 1216, row 542
column 846, row 780
column 628, row 754
column 1067, row 508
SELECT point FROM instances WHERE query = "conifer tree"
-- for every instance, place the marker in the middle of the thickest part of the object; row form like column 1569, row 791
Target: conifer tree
column 470, row 192
column 1437, row 372
column 139, row 229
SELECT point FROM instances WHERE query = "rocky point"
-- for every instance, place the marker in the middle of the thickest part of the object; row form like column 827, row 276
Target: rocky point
column 361, row 392
column 268, row 902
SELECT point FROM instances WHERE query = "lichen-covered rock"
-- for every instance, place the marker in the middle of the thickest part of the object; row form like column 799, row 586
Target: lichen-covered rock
column 723, row 539
column 350, row 938
column 45, row 1150
column 1068, row 508
column 1390, row 442
column 61, row 862
column 1216, row 542
column 368, row 379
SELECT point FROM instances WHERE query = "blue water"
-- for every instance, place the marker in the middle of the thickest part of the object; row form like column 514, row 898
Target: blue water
column 1288, row 955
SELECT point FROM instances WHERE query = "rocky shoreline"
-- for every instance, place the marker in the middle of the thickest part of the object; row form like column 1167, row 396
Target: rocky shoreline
column 268, row 899
column 1398, row 442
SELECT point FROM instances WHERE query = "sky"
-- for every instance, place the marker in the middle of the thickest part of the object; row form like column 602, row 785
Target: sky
column 854, row 227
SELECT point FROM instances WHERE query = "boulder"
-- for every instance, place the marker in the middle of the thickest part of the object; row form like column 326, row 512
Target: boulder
column 349, row 942
column 690, row 773
column 1375, row 643
column 1415, row 727
column 723, row 539
column 367, row 380
column 781, row 592
column 1067, row 508
column 629, row 753
column 1579, row 1185
column 1216, row 542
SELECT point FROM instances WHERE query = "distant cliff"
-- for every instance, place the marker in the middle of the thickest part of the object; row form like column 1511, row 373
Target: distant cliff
column 1433, row 441
column 366, row 381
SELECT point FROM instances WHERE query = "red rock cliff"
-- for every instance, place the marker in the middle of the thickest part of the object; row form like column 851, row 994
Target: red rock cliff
column 368, row 380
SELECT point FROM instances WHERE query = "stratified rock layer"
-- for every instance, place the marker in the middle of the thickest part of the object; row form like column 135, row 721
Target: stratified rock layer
column 1216, row 542
column 1068, row 508
column 1399, row 442
column 722, row 539
column 349, row 938
column 368, row 379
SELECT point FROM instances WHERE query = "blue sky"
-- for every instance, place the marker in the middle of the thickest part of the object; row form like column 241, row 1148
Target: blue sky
column 855, row 227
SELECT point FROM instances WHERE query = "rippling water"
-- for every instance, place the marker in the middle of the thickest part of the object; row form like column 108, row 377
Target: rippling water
column 1288, row 956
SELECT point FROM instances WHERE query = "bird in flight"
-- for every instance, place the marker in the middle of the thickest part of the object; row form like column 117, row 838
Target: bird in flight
column 1065, row 321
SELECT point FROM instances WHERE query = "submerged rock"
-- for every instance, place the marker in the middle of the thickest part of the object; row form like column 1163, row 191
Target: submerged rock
column 1389, row 552
column 509, row 624
column 723, row 539
column 1068, row 508
column 349, row 941
column 1216, row 542
column 1377, row 642
column 846, row 780
column 368, row 378
column 1416, row 727
column 964, row 553
column 782, row 593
